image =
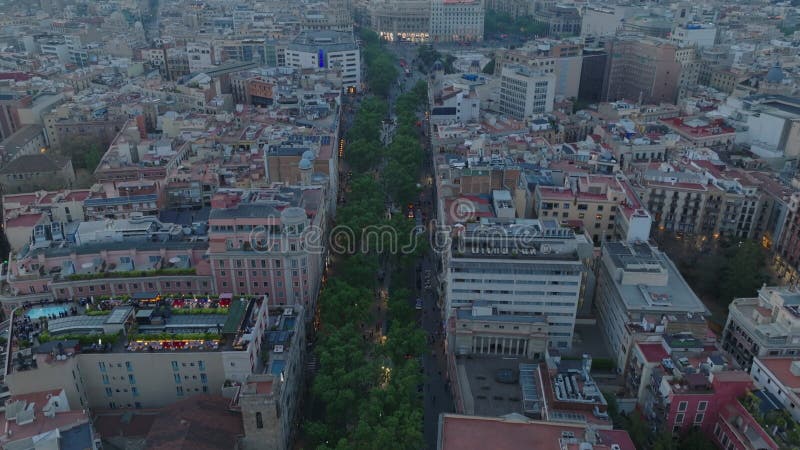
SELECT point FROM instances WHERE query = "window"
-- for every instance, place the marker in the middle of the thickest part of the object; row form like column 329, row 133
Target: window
column 174, row 366
column 679, row 418
column 698, row 418
column 109, row 392
column 201, row 365
column 102, row 366
column 179, row 391
column 135, row 391
column 701, row 406
column 105, row 379
column 203, row 378
column 177, row 378
column 129, row 366
column 259, row 421
column 682, row 406
column 131, row 379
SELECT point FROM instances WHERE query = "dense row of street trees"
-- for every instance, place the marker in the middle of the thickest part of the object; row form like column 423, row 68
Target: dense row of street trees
column 366, row 393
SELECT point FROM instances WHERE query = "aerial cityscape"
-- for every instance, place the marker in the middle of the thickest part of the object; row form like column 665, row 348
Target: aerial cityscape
column 400, row 224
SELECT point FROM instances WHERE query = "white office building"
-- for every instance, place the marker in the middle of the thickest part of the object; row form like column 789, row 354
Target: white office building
column 519, row 268
column 327, row 50
column 457, row 20
column 526, row 92
column 637, row 281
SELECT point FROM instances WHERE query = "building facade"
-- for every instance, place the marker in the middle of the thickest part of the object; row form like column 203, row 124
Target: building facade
column 543, row 277
column 525, row 93
column 327, row 49
column 457, row 20
column 643, row 69
column 637, row 280
column 764, row 326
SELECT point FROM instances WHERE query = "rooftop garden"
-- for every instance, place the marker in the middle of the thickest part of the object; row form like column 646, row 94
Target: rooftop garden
column 84, row 339
column 778, row 423
column 130, row 274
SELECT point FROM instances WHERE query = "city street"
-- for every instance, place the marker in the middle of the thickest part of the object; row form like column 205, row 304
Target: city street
column 437, row 397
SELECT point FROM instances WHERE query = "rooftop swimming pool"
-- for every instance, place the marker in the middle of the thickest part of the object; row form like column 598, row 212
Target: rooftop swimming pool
column 45, row 311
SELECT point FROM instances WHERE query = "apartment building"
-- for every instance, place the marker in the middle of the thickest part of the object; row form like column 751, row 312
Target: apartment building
column 677, row 199
column 704, row 401
column 499, row 261
column 259, row 243
column 606, row 206
column 46, row 419
column 457, row 20
column 327, row 49
column 780, row 376
column 637, row 280
column 643, row 69
column 702, row 132
column 763, row 326
column 525, row 93
column 593, row 201
column 82, row 122
column 563, row 58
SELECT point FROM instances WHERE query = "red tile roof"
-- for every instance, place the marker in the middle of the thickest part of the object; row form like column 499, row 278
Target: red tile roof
column 200, row 422
column 25, row 220
column 715, row 127
column 470, row 432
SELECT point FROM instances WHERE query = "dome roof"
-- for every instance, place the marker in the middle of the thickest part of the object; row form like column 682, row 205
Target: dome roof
column 775, row 74
column 309, row 155
column 305, row 164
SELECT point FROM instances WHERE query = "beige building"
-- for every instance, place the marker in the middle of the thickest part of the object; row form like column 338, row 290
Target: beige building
column 37, row 171
column 590, row 200
column 479, row 330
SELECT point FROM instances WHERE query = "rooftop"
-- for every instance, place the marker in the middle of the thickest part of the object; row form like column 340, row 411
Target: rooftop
column 647, row 280
column 37, row 162
column 331, row 41
column 698, row 127
column 457, row 432
column 199, row 422
column 782, row 370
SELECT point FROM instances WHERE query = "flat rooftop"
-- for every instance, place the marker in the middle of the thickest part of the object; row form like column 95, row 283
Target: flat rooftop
column 673, row 296
column 457, row 432
column 487, row 396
